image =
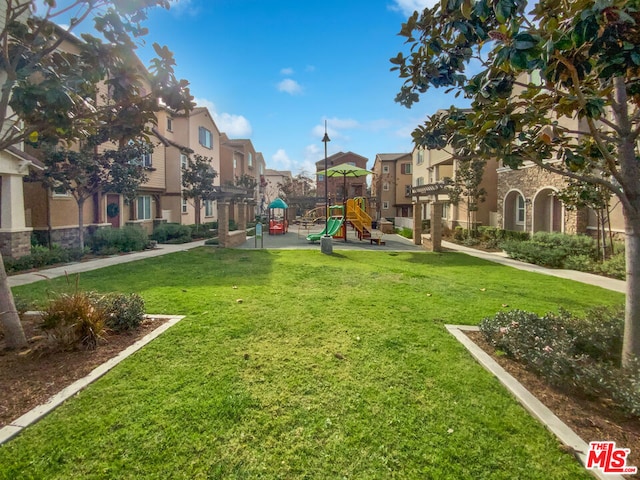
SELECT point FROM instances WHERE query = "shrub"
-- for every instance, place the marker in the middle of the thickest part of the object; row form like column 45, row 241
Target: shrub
column 122, row 312
column 404, row 232
column 165, row 232
column 74, row 320
column 42, row 256
column 614, row 267
column 212, row 241
column 579, row 354
column 550, row 249
column 107, row 241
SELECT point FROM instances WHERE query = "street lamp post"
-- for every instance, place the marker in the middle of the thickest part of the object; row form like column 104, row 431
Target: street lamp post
column 325, row 242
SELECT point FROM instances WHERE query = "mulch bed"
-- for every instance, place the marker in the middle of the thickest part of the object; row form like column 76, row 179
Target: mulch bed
column 592, row 419
column 30, row 378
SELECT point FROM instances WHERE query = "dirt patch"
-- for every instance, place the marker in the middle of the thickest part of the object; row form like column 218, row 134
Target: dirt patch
column 30, row 379
column 592, row 419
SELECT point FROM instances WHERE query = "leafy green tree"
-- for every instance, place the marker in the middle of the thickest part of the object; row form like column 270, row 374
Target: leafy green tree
column 466, row 184
column 580, row 120
column 86, row 171
column 197, row 182
column 49, row 93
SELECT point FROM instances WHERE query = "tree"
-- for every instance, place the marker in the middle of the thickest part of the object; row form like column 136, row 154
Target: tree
column 87, row 171
column 49, row 94
column 581, row 120
column 466, row 183
column 197, row 182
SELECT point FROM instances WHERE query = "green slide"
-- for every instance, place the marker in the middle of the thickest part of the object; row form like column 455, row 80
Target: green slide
column 333, row 225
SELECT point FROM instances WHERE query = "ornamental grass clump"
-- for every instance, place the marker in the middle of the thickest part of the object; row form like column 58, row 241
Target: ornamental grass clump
column 73, row 320
column 581, row 355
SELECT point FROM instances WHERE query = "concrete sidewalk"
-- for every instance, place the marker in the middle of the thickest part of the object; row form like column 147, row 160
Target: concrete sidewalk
column 94, row 264
column 501, row 257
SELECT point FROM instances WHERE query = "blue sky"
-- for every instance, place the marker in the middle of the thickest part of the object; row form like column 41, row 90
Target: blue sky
column 275, row 70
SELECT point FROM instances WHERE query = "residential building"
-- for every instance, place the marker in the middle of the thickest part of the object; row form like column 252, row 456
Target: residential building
column 275, row 178
column 338, row 187
column 527, row 198
column 240, row 162
column 391, row 185
column 185, row 136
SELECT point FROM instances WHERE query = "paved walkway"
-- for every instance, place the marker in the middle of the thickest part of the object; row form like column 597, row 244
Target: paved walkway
column 297, row 240
column 71, row 268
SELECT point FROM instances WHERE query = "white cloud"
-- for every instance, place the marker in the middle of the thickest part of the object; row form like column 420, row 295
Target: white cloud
column 235, row 126
column 290, row 86
column 281, row 160
column 184, row 7
column 310, row 68
column 335, row 127
column 287, row 71
column 407, row 7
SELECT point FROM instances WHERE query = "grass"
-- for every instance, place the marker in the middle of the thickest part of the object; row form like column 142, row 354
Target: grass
column 330, row 367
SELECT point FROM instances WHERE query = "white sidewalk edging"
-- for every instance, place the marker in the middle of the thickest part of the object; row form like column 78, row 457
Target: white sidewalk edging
column 534, row 406
column 31, row 417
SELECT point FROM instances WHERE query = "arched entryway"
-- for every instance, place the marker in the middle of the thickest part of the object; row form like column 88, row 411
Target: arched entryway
column 514, row 211
column 548, row 211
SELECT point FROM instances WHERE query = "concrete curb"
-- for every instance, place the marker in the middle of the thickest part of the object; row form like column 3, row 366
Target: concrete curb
column 31, row 417
column 534, row 406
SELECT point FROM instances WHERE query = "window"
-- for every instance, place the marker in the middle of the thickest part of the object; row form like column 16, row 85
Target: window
column 183, row 161
column 208, row 208
column 405, row 169
column 420, row 156
column 60, row 191
column 250, row 159
column 385, row 205
column 261, row 169
column 321, row 178
column 385, row 186
column 407, row 190
column 144, row 207
column 147, row 160
column 445, row 211
column 204, row 137
column 170, row 124
column 520, row 212
column 385, row 169
column 184, row 205
column 235, row 162
column 419, row 181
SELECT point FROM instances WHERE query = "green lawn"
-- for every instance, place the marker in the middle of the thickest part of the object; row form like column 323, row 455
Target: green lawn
column 331, row 367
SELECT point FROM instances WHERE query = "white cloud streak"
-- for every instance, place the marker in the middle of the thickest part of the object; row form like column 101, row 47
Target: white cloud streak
column 407, row 7
column 235, row 126
column 290, row 86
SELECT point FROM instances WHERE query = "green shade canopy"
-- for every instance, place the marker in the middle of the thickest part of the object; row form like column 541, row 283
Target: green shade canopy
column 344, row 170
column 278, row 203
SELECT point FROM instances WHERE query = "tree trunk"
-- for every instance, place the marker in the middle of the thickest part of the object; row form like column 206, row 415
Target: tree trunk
column 9, row 319
column 81, row 223
column 631, row 342
column 197, row 202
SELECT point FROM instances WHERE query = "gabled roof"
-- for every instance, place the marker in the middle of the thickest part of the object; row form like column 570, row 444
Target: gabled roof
column 167, row 142
column 390, row 157
column 30, row 159
column 335, row 158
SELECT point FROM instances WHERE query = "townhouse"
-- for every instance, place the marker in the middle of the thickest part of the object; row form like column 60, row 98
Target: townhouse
column 391, row 184
column 339, row 188
column 241, row 165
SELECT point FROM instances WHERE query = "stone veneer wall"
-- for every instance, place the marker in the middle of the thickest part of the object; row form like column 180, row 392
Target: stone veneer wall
column 67, row 237
column 529, row 181
column 15, row 244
